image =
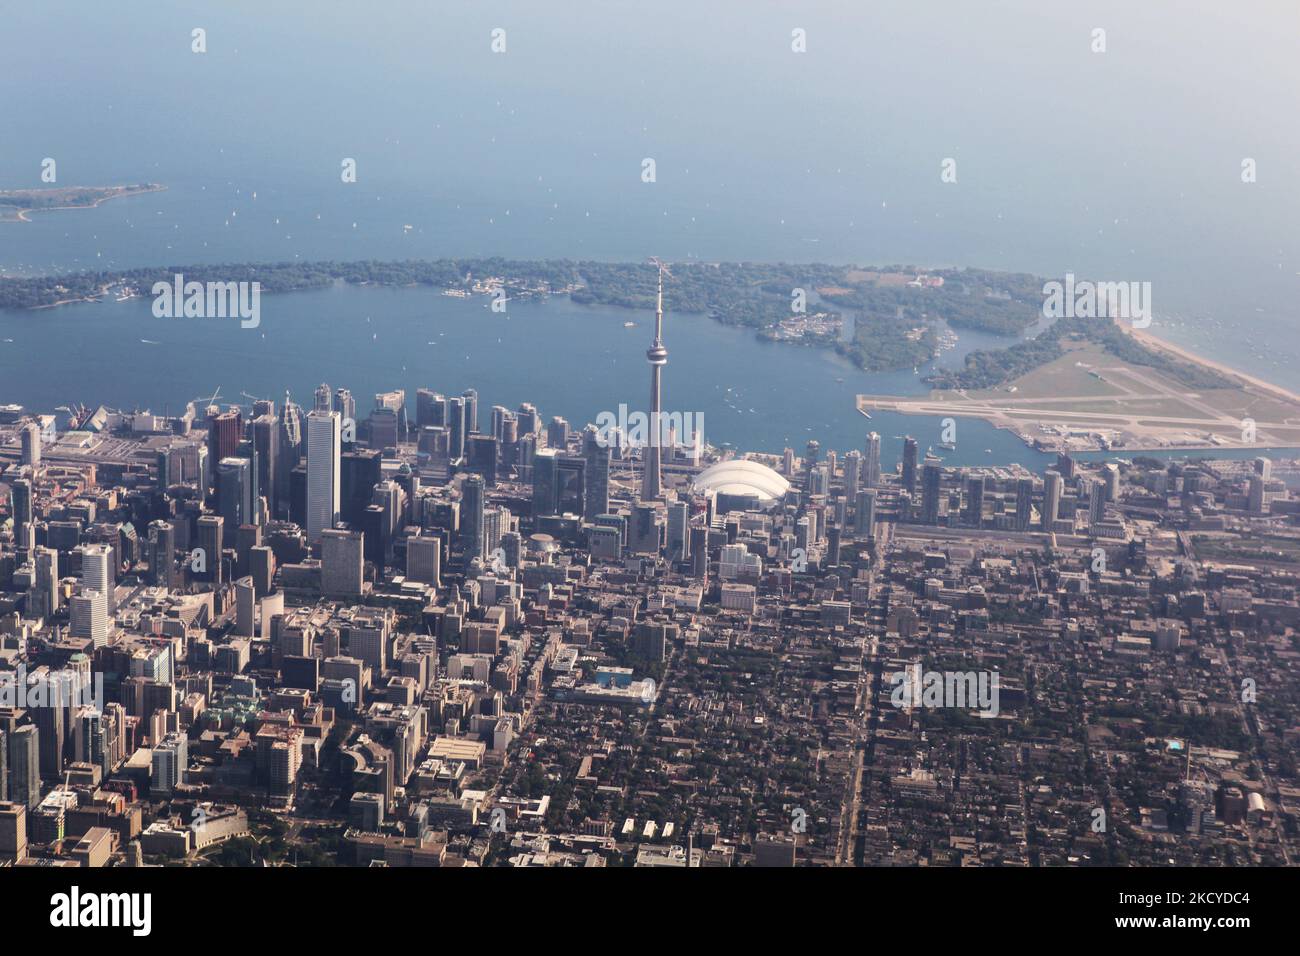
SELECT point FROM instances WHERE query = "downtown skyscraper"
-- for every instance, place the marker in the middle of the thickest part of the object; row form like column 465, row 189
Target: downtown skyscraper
column 871, row 461
column 596, row 454
column 97, row 570
column 324, row 446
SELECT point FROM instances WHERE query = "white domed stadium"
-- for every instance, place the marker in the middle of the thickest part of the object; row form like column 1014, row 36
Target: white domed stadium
column 742, row 482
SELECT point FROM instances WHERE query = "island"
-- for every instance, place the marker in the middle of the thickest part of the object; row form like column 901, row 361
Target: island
column 879, row 319
column 1079, row 384
column 17, row 204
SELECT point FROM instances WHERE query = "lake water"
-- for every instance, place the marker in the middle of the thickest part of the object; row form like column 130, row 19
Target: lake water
column 1122, row 166
column 570, row 360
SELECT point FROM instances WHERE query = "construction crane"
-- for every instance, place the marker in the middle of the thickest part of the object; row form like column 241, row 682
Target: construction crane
column 208, row 401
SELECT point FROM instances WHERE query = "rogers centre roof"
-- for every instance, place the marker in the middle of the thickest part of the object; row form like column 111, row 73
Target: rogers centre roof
column 742, row 477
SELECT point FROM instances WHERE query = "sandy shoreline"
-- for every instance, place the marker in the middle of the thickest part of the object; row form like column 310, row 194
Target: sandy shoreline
column 1151, row 341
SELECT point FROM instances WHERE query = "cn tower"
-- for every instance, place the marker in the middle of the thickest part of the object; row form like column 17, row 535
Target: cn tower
column 657, row 356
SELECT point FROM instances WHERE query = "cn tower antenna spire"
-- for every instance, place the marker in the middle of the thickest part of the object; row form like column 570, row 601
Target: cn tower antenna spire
column 657, row 356
column 659, row 308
